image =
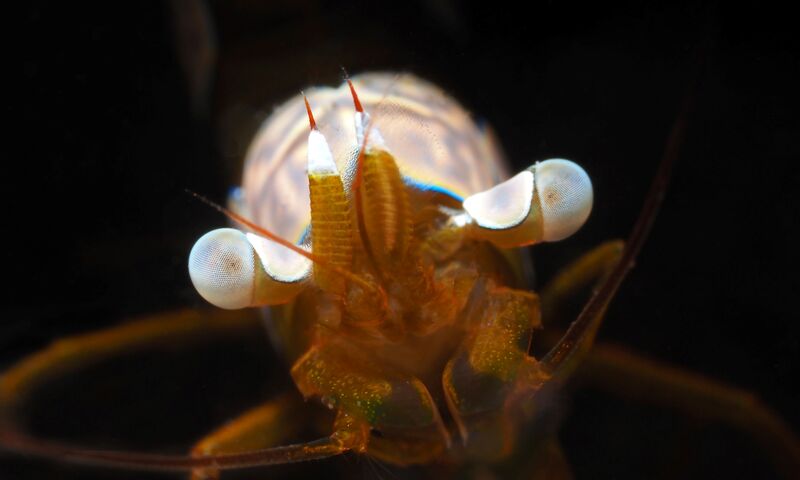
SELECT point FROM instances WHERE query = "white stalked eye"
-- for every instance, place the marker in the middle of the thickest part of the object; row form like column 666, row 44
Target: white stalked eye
column 222, row 267
column 504, row 214
column 234, row 270
column 503, row 206
column 565, row 197
column 283, row 268
column 547, row 202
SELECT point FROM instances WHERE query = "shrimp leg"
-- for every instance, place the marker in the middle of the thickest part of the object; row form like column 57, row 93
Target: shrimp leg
column 69, row 354
column 630, row 375
column 264, row 426
column 589, row 268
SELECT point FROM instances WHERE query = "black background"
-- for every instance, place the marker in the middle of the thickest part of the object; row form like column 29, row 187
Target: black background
column 103, row 135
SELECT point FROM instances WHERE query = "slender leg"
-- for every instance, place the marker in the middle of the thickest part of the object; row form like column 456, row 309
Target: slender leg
column 66, row 355
column 349, row 434
column 406, row 423
column 591, row 267
column 624, row 373
column 267, row 425
column 492, row 369
column 596, row 266
column 72, row 353
column 546, row 463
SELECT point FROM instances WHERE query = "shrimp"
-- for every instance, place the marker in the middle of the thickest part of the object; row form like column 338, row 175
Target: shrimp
column 380, row 226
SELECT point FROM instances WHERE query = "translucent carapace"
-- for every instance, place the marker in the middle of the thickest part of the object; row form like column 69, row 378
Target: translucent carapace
column 410, row 308
column 434, row 140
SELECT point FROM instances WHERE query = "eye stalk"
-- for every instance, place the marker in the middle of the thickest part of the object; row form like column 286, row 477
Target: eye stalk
column 233, row 270
column 565, row 197
column 547, row 202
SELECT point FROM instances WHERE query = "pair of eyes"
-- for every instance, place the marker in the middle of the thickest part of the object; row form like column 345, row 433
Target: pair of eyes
column 556, row 195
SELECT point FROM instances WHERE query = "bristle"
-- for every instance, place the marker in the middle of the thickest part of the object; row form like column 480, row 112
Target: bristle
column 311, row 122
column 356, row 101
column 286, row 243
column 256, row 228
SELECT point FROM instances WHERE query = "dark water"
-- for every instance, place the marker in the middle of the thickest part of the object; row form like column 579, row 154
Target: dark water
column 105, row 134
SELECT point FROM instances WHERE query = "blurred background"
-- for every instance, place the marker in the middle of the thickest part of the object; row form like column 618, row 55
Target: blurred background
column 114, row 109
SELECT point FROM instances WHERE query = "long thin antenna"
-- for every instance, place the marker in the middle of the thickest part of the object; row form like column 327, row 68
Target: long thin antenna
column 286, row 243
column 318, row 449
column 582, row 331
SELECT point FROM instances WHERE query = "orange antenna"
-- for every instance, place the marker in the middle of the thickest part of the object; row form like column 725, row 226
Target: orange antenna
column 582, row 331
column 286, row 243
column 311, row 122
column 360, row 159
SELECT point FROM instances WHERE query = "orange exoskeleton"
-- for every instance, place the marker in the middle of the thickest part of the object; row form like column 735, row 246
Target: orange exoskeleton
column 406, row 315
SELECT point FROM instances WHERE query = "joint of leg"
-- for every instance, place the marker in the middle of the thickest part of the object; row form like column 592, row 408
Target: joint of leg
column 349, row 433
